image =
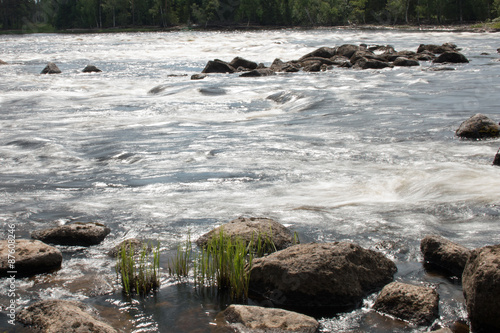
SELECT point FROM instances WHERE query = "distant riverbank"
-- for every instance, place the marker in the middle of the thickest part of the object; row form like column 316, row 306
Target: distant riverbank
column 476, row 27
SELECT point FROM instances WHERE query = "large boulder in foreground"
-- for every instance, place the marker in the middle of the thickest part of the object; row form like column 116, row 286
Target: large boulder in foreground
column 478, row 126
column 249, row 228
column 314, row 277
column 416, row 304
column 30, row 257
column 51, row 68
column 244, row 319
column 78, row 233
column 481, row 287
column 62, row 316
column 444, row 255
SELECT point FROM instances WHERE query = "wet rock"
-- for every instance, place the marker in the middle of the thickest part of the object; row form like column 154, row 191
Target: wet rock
column 393, row 56
column 3, row 62
column 158, row 89
column 444, row 254
column 417, row 304
column 400, row 61
column 218, row 66
column 279, row 66
column 478, row 126
column 440, row 69
column 347, row 50
column 51, row 68
column 312, row 66
column 382, row 49
column 451, row 57
column 326, row 277
column 198, row 76
column 496, row 160
column 249, row 228
column 365, row 63
column 443, row 330
column 323, row 61
column 481, row 287
column 339, row 60
column 322, row 52
column 31, row 257
column 62, row 316
column 243, row 63
column 91, row 69
column 436, row 49
column 131, row 243
column 244, row 318
column 78, row 233
column 259, row 72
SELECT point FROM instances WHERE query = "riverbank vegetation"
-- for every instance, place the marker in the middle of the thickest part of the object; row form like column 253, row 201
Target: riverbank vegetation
column 60, row 15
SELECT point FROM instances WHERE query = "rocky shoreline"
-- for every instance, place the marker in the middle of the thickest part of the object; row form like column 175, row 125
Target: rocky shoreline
column 295, row 284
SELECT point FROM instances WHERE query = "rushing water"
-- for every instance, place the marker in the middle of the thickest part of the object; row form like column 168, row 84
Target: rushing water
column 364, row 156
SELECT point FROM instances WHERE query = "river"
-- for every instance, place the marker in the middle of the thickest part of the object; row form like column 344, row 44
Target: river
column 343, row 155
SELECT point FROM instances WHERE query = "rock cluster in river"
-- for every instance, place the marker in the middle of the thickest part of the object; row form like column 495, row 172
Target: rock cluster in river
column 346, row 56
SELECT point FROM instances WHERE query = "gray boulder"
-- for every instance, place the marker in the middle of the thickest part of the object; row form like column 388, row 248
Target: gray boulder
column 481, row 287
column 91, row 69
column 78, row 233
column 331, row 277
column 218, row 66
column 248, row 229
column 451, row 57
column 445, row 255
column 31, row 257
column 400, row 61
column 245, row 319
column 51, row 68
column 416, row 304
column 478, row 126
column 62, row 316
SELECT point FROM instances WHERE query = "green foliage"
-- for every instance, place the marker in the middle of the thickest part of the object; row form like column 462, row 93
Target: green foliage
column 140, row 273
column 224, row 262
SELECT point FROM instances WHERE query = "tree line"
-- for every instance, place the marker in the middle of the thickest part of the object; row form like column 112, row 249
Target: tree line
column 100, row 14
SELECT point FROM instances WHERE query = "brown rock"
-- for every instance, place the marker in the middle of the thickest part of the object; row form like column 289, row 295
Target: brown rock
column 417, row 304
column 365, row 63
column 218, row 66
column 444, row 254
column 244, row 319
column 241, row 62
column 322, row 52
column 347, row 50
column 451, row 57
column 78, row 233
column 478, row 126
column 51, row 68
column 30, row 257
column 400, row 61
column 279, row 66
column 481, row 287
column 3, row 62
column 249, row 228
column 331, row 276
column 62, row 316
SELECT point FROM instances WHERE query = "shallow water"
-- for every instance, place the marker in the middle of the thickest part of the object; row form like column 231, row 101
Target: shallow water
column 365, row 156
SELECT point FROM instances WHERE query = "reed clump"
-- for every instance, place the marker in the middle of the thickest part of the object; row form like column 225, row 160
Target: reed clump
column 139, row 274
column 224, row 262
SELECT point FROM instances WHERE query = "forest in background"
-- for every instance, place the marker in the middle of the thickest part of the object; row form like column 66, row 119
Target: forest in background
column 33, row 15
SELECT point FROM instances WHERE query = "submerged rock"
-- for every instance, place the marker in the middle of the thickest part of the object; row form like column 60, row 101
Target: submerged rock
column 444, row 254
column 481, row 287
column 478, row 126
column 51, row 68
column 198, row 76
column 78, row 233
column 249, row 229
column 31, row 257
column 320, row 277
column 91, row 69
column 416, row 304
column 244, row 318
column 259, row 72
column 62, row 316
